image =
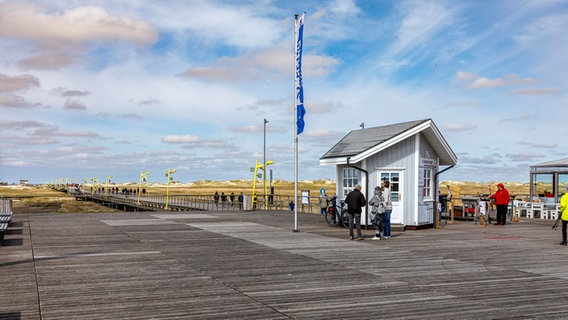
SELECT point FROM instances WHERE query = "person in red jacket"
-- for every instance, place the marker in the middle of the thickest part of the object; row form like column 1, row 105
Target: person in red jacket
column 502, row 199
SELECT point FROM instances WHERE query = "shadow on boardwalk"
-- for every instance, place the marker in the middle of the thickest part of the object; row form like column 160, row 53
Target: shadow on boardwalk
column 250, row 265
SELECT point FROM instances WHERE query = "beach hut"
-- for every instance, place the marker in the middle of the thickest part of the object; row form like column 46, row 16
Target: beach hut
column 548, row 181
column 410, row 155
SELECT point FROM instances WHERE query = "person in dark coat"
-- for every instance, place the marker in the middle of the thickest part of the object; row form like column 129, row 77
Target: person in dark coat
column 355, row 200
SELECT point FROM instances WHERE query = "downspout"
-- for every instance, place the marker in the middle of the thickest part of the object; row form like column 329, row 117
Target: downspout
column 436, row 213
column 366, row 191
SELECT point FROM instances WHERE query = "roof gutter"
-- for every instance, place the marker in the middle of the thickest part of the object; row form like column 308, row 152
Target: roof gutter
column 436, row 213
column 366, row 190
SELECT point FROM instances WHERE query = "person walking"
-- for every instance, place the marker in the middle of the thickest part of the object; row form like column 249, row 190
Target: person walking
column 323, row 200
column 502, row 199
column 216, row 198
column 388, row 208
column 563, row 212
column 377, row 215
column 240, row 200
column 223, row 199
column 355, row 200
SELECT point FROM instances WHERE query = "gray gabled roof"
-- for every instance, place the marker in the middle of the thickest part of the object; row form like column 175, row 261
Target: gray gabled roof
column 555, row 163
column 362, row 143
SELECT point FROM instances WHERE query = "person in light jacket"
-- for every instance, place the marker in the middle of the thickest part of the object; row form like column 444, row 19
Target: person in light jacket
column 323, row 201
column 377, row 216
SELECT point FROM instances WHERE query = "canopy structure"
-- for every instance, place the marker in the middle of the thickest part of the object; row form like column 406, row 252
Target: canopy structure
column 548, row 180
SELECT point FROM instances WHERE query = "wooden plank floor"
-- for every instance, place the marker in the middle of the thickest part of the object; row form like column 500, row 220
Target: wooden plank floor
column 251, row 265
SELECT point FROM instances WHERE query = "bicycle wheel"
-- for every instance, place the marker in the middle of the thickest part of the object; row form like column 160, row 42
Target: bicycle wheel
column 344, row 219
column 331, row 216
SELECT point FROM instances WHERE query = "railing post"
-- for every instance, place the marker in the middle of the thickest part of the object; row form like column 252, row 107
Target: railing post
column 515, row 215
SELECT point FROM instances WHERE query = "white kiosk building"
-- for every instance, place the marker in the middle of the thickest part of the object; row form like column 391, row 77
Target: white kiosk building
column 409, row 155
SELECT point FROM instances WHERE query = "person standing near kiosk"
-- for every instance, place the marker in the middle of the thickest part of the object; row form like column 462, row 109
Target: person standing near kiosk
column 502, row 199
column 388, row 206
column 563, row 215
column 355, row 200
column 323, row 201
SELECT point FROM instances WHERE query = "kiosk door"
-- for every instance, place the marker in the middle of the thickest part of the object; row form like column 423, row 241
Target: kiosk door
column 395, row 177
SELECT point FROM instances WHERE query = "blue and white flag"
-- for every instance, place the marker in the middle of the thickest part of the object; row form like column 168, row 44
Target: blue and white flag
column 300, row 110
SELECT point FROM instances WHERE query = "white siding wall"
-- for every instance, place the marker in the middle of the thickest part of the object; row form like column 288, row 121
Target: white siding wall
column 403, row 155
column 427, row 152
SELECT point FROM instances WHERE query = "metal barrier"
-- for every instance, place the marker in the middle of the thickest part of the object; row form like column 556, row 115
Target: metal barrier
column 5, row 206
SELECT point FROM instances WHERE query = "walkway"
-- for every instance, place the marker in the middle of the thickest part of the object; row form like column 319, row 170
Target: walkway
column 251, row 265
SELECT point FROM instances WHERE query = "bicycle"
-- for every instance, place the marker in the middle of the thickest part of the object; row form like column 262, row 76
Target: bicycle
column 336, row 215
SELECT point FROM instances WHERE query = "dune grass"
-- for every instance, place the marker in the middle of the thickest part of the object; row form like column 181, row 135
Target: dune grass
column 44, row 199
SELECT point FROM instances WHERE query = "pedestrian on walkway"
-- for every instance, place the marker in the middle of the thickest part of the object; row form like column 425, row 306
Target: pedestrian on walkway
column 502, row 199
column 323, row 200
column 388, row 208
column 223, row 199
column 216, row 198
column 355, row 200
column 564, row 215
column 240, row 199
column 377, row 215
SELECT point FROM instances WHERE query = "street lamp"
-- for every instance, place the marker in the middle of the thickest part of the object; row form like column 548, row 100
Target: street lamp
column 170, row 171
column 106, row 185
column 93, row 184
column 143, row 178
column 258, row 166
column 264, row 161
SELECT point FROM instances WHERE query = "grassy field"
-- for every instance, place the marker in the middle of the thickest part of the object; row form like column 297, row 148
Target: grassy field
column 40, row 199
column 43, row 199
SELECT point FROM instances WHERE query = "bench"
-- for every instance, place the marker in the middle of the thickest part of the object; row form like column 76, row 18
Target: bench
column 3, row 229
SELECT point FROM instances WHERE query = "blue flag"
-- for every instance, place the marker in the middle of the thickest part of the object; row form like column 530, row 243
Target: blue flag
column 300, row 110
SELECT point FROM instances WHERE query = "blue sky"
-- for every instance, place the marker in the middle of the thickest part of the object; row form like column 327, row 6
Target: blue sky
column 97, row 88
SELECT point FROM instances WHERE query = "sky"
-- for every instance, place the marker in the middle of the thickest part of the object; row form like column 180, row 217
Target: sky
column 104, row 88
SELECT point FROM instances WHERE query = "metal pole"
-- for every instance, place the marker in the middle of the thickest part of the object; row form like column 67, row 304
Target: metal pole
column 295, row 132
column 264, row 171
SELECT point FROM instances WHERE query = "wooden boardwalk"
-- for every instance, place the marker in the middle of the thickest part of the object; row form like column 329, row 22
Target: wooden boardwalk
column 251, row 265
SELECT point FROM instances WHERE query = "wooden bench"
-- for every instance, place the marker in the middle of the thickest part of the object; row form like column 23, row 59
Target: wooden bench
column 3, row 229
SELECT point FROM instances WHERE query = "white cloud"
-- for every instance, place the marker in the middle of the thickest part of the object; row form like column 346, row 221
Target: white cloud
column 172, row 138
column 444, row 61
column 15, row 101
column 538, row 145
column 257, row 65
column 216, row 23
column 31, row 22
column 537, row 91
column 74, row 105
column 18, row 83
column 247, row 129
column 473, row 81
column 458, row 127
column 420, row 23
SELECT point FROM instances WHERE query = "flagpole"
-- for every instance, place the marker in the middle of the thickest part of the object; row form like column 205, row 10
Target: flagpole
column 295, row 130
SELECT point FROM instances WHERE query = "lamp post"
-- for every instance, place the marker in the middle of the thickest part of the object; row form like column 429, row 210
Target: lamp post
column 143, row 178
column 106, row 184
column 93, row 184
column 257, row 166
column 265, row 164
column 170, row 171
